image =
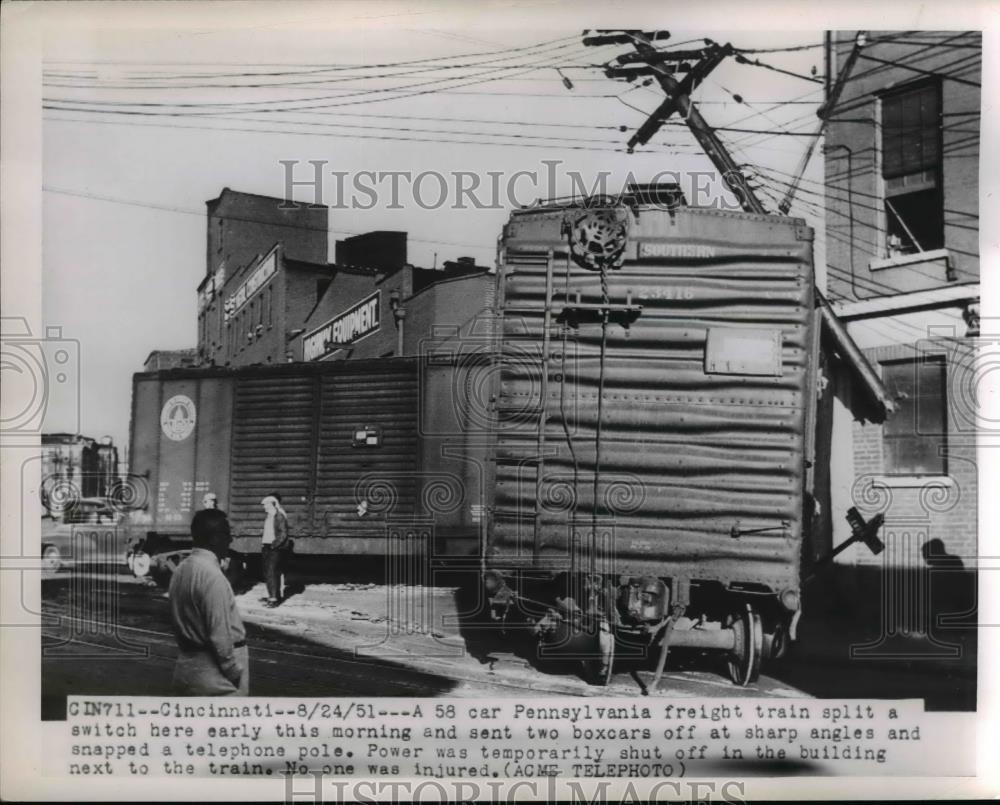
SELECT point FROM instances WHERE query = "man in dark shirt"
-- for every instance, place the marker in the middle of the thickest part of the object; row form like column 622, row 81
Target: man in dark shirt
column 213, row 658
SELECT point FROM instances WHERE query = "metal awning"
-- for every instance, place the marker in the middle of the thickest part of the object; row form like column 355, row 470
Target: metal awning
column 871, row 384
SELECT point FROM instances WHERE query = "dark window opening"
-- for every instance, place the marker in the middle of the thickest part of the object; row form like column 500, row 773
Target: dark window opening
column 913, row 438
column 914, row 222
column 911, row 168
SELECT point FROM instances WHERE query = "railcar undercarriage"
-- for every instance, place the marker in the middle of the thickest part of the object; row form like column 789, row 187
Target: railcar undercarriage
column 601, row 620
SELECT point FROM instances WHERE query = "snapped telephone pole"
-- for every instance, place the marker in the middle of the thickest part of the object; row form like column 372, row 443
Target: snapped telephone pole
column 829, row 104
column 654, row 62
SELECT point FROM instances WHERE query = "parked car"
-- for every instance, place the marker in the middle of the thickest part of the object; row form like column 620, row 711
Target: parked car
column 90, row 539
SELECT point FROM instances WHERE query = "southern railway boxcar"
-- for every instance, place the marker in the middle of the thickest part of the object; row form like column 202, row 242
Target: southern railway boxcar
column 651, row 460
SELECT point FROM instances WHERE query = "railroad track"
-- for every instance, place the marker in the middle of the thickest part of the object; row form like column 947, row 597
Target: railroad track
column 338, row 672
column 284, row 664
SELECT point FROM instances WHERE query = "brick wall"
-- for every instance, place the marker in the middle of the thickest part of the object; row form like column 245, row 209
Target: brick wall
column 920, row 509
column 270, row 315
column 348, row 287
column 243, row 226
column 451, row 302
column 854, row 194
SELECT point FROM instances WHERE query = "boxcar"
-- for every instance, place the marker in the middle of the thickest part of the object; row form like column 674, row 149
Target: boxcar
column 360, row 456
column 625, row 448
column 650, row 460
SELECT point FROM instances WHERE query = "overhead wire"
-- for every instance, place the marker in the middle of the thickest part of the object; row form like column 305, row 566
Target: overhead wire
column 790, row 49
column 493, row 74
column 758, row 63
column 244, row 219
column 493, row 63
column 932, row 73
column 502, row 53
column 244, row 130
column 824, row 211
column 320, row 110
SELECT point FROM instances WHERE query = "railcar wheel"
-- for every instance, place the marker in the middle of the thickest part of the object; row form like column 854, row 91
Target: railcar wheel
column 141, row 564
column 744, row 661
column 166, row 564
column 51, row 559
column 597, row 669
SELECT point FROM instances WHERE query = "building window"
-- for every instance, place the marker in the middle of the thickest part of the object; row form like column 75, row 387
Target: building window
column 911, row 169
column 270, row 301
column 913, row 438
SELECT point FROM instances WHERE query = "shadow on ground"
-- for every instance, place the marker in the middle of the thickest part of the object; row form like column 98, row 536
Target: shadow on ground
column 106, row 638
column 907, row 634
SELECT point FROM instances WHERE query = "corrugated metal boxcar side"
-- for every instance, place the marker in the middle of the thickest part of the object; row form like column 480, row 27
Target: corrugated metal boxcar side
column 292, row 429
column 708, row 397
column 180, row 459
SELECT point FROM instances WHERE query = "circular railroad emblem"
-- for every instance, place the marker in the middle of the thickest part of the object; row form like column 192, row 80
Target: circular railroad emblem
column 178, row 417
column 597, row 238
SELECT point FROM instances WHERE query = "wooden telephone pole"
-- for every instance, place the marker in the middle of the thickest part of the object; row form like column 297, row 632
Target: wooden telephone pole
column 678, row 98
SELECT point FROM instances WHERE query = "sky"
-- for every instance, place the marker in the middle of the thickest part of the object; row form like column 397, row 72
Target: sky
column 124, row 194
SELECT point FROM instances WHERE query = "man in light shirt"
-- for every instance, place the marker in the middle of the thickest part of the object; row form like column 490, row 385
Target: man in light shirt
column 274, row 544
column 213, row 658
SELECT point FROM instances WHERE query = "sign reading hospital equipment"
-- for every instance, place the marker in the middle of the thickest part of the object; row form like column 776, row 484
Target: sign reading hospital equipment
column 267, row 269
column 345, row 328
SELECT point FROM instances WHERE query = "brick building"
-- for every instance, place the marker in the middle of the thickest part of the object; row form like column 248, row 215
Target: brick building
column 390, row 309
column 270, row 295
column 901, row 176
column 266, row 265
column 160, row 359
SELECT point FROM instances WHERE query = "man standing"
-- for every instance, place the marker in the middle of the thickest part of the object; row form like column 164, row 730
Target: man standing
column 274, row 543
column 213, row 658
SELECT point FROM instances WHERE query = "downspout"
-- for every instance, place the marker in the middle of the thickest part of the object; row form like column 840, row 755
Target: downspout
column 399, row 314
